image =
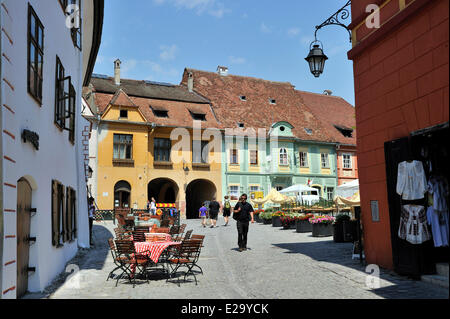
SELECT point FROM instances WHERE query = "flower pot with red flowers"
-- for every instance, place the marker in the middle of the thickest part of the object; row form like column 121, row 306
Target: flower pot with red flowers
column 256, row 215
column 302, row 224
column 276, row 221
column 288, row 221
column 322, row 226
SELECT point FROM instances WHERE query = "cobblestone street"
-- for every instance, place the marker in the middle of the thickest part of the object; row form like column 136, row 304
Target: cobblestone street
column 278, row 264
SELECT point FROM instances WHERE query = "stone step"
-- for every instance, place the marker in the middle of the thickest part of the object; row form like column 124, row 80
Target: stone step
column 437, row 280
column 442, row 269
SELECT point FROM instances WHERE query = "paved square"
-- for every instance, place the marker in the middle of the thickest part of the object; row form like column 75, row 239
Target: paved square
column 278, row 264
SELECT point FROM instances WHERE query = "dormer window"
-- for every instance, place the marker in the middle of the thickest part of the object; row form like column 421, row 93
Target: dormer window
column 272, row 101
column 345, row 131
column 123, row 114
column 161, row 113
column 241, row 125
column 243, row 98
column 198, row 116
column 308, row 131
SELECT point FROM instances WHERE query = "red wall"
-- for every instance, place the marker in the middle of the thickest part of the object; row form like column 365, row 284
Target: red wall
column 401, row 85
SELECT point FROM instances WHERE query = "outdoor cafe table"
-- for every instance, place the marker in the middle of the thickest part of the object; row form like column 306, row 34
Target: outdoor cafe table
column 153, row 249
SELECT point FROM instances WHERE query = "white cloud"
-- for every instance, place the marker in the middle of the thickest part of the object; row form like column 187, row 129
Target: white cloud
column 265, row 29
column 237, row 60
column 293, row 32
column 211, row 7
column 168, row 52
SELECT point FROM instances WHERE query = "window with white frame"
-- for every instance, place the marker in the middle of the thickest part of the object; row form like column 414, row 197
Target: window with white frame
column 234, row 158
column 254, row 188
column 325, row 160
column 330, row 193
column 233, row 191
column 303, row 159
column 283, row 157
column 347, row 161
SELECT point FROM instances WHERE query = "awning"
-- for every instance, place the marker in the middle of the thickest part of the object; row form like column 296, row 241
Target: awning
column 298, row 189
column 274, row 196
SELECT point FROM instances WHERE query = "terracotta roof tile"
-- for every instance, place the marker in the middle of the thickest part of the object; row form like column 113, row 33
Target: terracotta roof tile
column 257, row 112
column 333, row 112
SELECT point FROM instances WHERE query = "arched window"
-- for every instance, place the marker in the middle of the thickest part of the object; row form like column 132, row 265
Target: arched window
column 283, row 157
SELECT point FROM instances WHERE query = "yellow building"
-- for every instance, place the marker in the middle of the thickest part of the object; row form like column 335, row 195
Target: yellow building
column 146, row 142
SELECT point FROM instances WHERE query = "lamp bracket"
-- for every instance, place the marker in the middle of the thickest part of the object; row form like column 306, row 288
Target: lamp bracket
column 342, row 14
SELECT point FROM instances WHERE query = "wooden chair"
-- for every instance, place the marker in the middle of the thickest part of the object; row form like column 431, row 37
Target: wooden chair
column 186, row 255
column 180, row 237
column 182, row 228
column 139, row 236
column 174, row 230
column 130, row 261
column 112, row 248
column 160, row 230
column 165, row 223
column 200, row 238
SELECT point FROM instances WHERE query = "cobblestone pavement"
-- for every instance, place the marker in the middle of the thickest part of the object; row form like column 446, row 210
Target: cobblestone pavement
column 278, row 264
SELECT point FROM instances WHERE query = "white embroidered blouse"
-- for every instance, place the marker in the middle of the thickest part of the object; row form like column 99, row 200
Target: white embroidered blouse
column 411, row 180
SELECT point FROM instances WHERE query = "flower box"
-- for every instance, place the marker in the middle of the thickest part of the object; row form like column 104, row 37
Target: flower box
column 322, row 229
column 276, row 222
column 303, row 226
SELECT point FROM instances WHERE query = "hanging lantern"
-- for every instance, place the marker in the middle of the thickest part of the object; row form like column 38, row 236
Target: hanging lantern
column 316, row 59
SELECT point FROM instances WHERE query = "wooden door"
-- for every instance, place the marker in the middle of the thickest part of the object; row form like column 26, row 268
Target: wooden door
column 23, row 234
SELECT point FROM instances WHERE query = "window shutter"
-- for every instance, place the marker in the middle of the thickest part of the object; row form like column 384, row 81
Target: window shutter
column 55, row 220
column 68, row 214
column 62, row 214
column 74, row 215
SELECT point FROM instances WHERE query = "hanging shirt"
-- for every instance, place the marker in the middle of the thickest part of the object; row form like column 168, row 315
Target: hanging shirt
column 438, row 187
column 411, row 180
column 413, row 224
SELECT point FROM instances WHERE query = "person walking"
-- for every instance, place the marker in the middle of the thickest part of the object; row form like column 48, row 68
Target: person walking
column 153, row 206
column 243, row 213
column 226, row 210
column 214, row 208
column 91, row 215
column 202, row 214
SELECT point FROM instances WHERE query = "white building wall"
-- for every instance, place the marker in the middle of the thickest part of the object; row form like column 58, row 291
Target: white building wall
column 56, row 158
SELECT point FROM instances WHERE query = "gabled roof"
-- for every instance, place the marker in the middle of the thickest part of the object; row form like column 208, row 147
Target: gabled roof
column 256, row 111
column 168, row 99
column 122, row 99
column 334, row 112
column 136, row 88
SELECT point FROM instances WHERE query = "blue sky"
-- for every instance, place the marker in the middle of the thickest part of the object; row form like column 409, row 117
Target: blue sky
column 268, row 39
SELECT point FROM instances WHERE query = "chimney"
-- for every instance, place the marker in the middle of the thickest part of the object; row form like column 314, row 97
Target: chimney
column 327, row 92
column 190, row 82
column 222, row 70
column 117, row 71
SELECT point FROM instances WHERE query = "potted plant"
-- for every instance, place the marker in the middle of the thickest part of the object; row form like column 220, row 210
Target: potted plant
column 338, row 228
column 256, row 215
column 288, row 221
column 302, row 223
column 322, row 226
column 266, row 217
column 276, row 222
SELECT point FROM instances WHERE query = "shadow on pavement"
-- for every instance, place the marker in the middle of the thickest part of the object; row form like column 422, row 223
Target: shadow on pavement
column 394, row 286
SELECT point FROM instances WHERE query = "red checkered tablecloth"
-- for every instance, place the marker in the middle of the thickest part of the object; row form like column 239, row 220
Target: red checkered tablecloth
column 154, row 249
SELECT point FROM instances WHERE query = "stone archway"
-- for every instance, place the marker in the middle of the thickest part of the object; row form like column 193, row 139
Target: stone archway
column 197, row 192
column 164, row 190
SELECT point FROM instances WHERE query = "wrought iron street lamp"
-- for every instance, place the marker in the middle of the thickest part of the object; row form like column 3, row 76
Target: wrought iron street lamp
column 316, row 57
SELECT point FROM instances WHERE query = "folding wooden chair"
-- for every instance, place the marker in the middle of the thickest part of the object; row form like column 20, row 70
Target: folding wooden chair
column 130, row 261
column 186, row 255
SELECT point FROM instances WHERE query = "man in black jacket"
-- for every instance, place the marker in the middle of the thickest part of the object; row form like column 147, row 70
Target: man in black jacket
column 243, row 213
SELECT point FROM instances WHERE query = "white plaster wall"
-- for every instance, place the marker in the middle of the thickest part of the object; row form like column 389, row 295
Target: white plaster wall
column 56, row 158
